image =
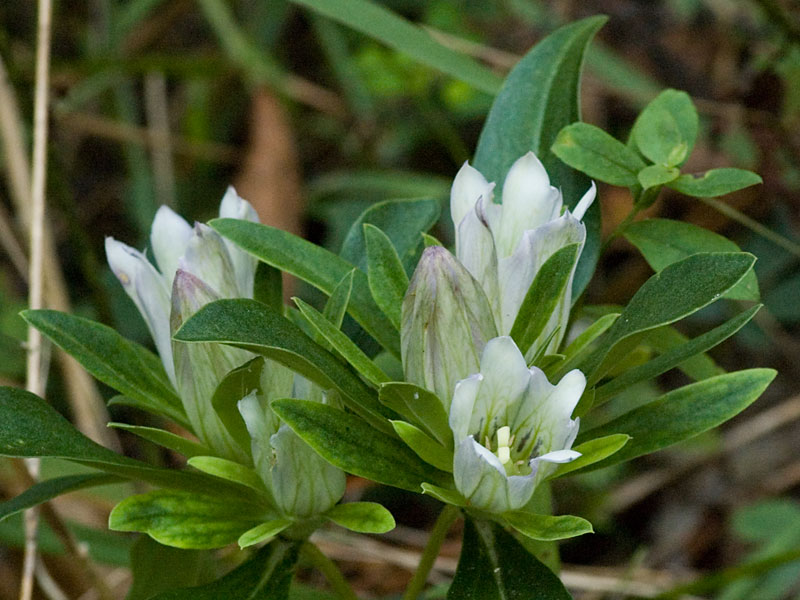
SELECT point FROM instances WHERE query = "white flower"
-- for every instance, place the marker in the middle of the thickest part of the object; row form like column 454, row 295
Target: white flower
column 510, row 425
column 505, row 245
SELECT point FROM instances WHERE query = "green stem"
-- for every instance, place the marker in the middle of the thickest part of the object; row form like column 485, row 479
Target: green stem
column 329, row 569
column 446, row 518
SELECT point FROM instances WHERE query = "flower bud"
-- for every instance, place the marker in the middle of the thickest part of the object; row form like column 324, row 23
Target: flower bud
column 446, row 321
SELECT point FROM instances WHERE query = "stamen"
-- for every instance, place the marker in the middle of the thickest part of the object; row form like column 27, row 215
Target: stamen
column 503, row 450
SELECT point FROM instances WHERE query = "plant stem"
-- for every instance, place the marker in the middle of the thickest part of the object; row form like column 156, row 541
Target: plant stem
column 329, row 569
column 446, row 518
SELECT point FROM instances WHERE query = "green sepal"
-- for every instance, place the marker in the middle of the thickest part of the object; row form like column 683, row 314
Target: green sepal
column 420, row 407
column 263, row 532
column 424, row 446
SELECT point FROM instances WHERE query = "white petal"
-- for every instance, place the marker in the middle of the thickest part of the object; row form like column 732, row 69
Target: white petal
column 568, row 392
column 520, row 490
column 148, row 290
column 480, row 477
column 559, row 456
column 529, row 201
column 475, row 250
column 234, row 206
column 169, row 236
column 207, row 258
column 468, row 186
column 585, row 202
column 244, row 265
column 463, row 404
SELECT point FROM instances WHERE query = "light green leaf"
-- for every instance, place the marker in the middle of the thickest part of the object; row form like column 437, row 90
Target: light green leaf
column 402, row 221
column 186, row 520
column 48, row 489
column 362, row 517
column 263, row 532
column 349, row 443
column 419, row 406
column 666, row 130
column 674, row 357
column 167, row 439
column 591, row 452
column 255, row 327
column 716, row 182
column 446, row 495
column 387, row 27
column 546, row 527
column 385, row 273
column 663, row 242
column 121, row 364
column 265, row 576
column 683, row 413
column 237, row 384
column 656, row 175
column 540, row 97
column 342, row 344
column 580, row 347
column 228, row 470
column 591, row 150
column 495, row 566
column 314, row 265
column 428, row 449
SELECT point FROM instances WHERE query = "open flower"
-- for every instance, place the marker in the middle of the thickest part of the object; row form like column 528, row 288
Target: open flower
column 510, row 427
column 505, row 245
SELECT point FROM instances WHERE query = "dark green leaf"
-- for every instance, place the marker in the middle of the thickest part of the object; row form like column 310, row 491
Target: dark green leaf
column 495, row 566
column 675, row 356
column 349, row 443
column 419, row 406
column 315, row 265
column 336, row 306
column 666, row 130
column 51, row 488
column 234, row 386
column 540, row 97
column 547, row 527
column 254, row 326
column 385, row 273
column 656, row 175
column 591, row 150
column 186, row 520
column 663, row 242
column 166, row 439
column 266, row 576
column 683, row 413
column 158, row 568
column 119, row 363
column 228, row 470
column 268, row 285
column 697, row 367
column 362, row 517
column 716, row 182
column 402, row 221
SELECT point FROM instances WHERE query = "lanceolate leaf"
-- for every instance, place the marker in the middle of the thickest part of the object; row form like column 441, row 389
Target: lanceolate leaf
column 419, row 406
column 716, row 182
column 540, row 97
column 315, row 265
column 674, row 357
column 683, row 413
column 387, row 278
column 266, row 576
column 52, row 488
column 547, row 528
column 254, row 326
column 157, row 568
column 495, row 566
column 234, row 386
column 428, row 449
column 121, row 364
column 349, row 443
column 363, row 517
column 591, row 452
column 166, row 439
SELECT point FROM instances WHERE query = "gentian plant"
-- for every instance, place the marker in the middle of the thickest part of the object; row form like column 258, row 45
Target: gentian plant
column 469, row 374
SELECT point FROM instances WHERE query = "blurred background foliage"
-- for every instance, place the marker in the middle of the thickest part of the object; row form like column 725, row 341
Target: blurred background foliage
column 157, row 102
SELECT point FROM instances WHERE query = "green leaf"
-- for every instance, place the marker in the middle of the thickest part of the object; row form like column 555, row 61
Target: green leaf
column 683, row 413
column 314, row 265
column 266, row 576
column 428, row 449
column 268, row 285
column 656, row 175
column 237, row 384
column 591, row 150
column 121, row 364
column 580, row 347
column 591, row 452
column 228, row 470
column 362, row 517
column 263, row 532
column 675, row 356
column 543, row 296
column 420, row 407
column 495, row 566
column 336, row 306
column 385, row 26
column 402, row 221
column 186, row 520
column 666, row 130
column 540, row 97
column 255, row 327
column 716, row 182
column 51, row 488
column 166, row 439
column 29, row 427
column 663, row 242
column 385, row 273
column 158, row 568
column 697, row 367
column 342, row 344
column 447, row 496
column 349, row 443
column 547, row 527
column 673, row 293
